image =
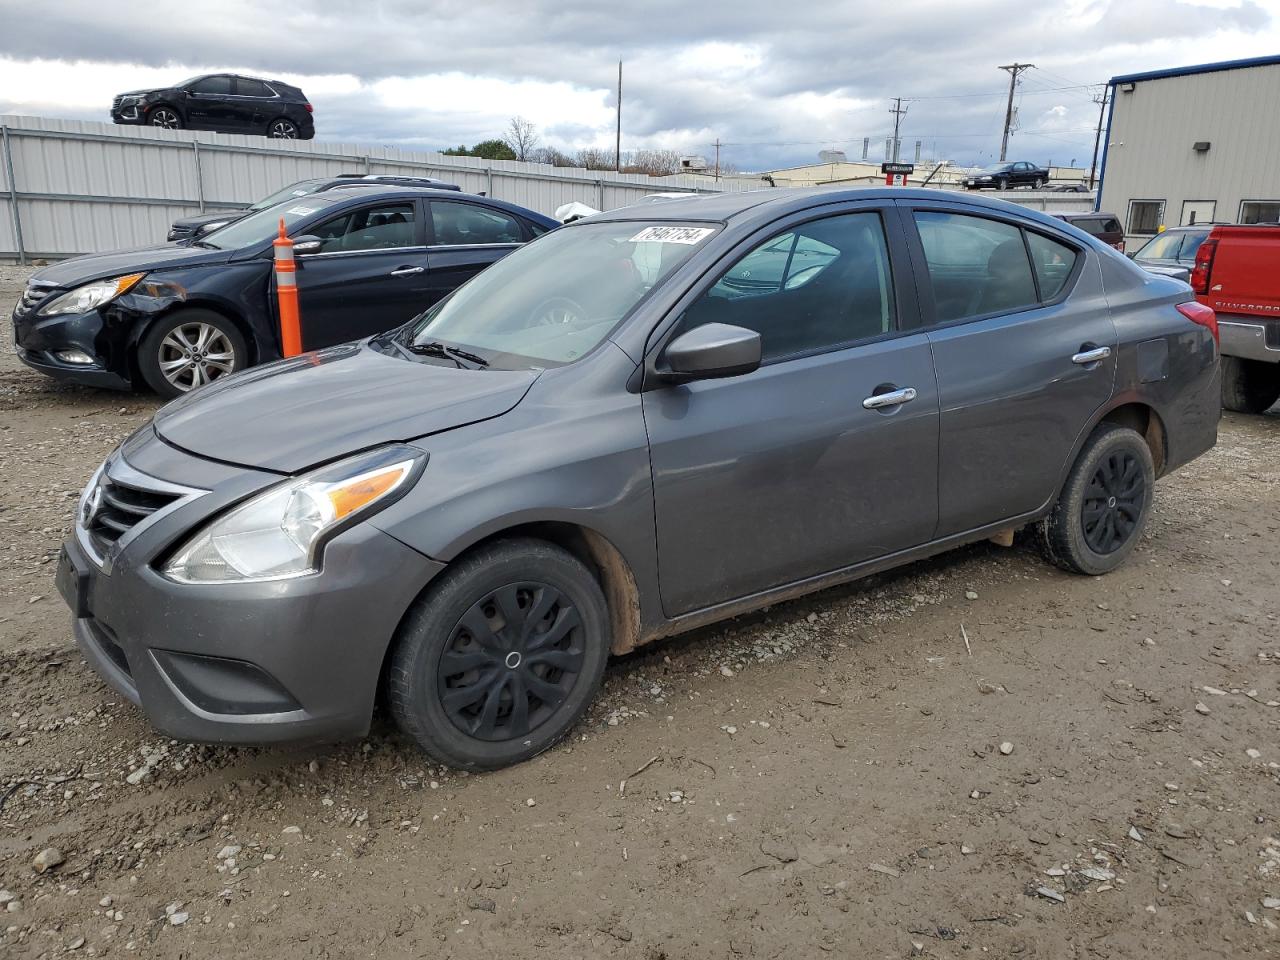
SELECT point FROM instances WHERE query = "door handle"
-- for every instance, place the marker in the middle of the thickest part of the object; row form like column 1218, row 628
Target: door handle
column 1092, row 355
column 878, row 401
column 407, row 271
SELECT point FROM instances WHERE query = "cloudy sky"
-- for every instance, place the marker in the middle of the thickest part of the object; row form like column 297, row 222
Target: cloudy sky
column 774, row 82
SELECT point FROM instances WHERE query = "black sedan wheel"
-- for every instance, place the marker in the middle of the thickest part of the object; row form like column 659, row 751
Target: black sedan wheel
column 501, row 656
column 189, row 349
column 282, row 130
column 1103, row 507
column 165, row 117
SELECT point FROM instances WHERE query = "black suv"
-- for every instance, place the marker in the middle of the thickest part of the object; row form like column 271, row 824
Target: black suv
column 188, row 228
column 223, row 102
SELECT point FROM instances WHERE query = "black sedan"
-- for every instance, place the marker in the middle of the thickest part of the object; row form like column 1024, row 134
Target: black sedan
column 176, row 316
column 188, row 227
column 224, row 102
column 1002, row 176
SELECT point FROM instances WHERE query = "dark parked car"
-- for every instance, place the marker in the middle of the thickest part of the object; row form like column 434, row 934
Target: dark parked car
column 176, row 316
column 1002, row 176
column 188, row 227
column 621, row 432
column 223, row 102
column 1105, row 226
column 1172, row 252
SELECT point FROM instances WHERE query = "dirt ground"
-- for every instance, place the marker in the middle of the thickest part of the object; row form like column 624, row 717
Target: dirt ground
column 1098, row 777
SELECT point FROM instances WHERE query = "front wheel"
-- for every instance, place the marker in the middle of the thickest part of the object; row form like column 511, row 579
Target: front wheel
column 165, row 117
column 1002, row 184
column 1249, row 386
column 1103, row 507
column 189, row 349
column 501, row 656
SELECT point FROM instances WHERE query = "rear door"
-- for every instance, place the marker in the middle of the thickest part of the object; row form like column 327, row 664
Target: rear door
column 369, row 276
column 1024, row 350
column 827, row 454
column 465, row 238
column 249, row 108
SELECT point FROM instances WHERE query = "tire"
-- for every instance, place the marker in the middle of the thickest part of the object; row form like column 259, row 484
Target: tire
column 1002, row 183
column 1249, row 386
column 282, row 128
column 1037, row 183
column 467, row 717
column 1112, row 481
column 165, row 117
column 210, row 344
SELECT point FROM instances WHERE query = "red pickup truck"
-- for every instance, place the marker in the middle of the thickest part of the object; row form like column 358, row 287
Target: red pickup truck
column 1237, row 273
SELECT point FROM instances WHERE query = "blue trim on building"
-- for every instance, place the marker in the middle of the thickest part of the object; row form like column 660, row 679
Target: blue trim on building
column 1200, row 68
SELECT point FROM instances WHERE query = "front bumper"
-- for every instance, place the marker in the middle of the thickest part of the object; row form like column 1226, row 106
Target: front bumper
column 1251, row 340
column 128, row 114
column 39, row 339
column 286, row 660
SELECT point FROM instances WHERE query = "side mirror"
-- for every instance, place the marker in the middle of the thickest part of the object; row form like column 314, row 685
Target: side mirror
column 710, row 351
column 306, row 244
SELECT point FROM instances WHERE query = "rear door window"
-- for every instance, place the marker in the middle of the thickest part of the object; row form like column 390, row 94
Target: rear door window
column 1052, row 262
column 466, row 224
column 977, row 266
column 251, row 88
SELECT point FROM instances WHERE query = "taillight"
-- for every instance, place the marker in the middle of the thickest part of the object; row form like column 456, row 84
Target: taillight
column 1204, row 266
column 1197, row 312
column 308, row 107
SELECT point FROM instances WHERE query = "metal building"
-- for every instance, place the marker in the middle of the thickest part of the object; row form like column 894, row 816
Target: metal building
column 1193, row 145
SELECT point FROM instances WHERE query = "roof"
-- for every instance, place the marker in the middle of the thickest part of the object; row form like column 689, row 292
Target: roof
column 1200, row 68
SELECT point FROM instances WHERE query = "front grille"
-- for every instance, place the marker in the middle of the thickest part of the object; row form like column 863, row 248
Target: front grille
column 118, row 508
column 34, row 294
column 115, row 104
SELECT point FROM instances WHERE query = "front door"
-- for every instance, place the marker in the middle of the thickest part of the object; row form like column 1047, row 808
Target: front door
column 465, row 238
column 1025, row 354
column 209, row 103
column 827, row 454
column 370, row 274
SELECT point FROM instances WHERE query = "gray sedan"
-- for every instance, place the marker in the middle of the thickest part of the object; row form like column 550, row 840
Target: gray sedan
column 647, row 421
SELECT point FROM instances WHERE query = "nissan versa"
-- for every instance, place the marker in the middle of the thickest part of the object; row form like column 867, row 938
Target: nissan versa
column 646, row 421
column 177, row 316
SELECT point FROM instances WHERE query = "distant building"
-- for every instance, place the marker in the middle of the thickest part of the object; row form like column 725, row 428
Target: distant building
column 1193, row 145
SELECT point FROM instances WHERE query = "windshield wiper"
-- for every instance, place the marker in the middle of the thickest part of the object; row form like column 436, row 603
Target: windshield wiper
column 434, row 348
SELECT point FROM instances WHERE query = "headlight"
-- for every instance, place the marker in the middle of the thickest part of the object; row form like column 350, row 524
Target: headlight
column 210, row 227
column 279, row 534
column 91, row 295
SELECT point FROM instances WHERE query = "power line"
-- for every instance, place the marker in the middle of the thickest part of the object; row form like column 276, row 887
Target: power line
column 898, row 111
column 1013, row 69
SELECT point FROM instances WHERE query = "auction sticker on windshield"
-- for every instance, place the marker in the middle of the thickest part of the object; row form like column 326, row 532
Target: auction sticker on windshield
column 302, row 211
column 672, row 234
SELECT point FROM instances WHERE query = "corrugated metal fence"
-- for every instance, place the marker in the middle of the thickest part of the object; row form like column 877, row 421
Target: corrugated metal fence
column 71, row 186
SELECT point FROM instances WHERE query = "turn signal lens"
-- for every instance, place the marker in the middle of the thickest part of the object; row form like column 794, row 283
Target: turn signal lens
column 349, row 497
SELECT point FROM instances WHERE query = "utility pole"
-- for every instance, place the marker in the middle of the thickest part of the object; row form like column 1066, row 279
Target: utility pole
column 617, row 143
column 898, row 111
column 717, row 159
column 1097, row 136
column 1013, row 70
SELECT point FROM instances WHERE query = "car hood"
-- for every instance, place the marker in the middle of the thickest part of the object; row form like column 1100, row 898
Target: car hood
column 307, row 410
column 95, row 266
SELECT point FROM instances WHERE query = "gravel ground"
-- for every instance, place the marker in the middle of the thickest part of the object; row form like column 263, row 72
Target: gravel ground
column 1098, row 776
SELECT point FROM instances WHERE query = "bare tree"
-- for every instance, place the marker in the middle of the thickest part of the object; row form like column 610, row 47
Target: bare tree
column 557, row 158
column 656, row 163
column 594, row 158
column 522, row 137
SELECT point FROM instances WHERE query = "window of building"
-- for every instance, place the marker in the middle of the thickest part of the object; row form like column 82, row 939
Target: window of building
column 816, row 287
column 1145, row 217
column 976, row 266
column 1260, row 211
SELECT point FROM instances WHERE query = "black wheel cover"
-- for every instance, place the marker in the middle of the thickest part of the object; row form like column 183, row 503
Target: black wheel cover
column 511, row 661
column 1113, row 502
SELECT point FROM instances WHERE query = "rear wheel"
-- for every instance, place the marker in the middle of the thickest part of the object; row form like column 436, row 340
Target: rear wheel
column 282, row 129
column 1249, row 386
column 1037, row 183
column 189, row 349
column 501, row 656
column 1103, row 507
column 164, row 117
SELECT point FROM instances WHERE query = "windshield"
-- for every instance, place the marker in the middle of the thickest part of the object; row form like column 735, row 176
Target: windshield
column 554, row 300
column 300, row 189
column 1163, row 246
column 997, row 168
column 264, row 224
